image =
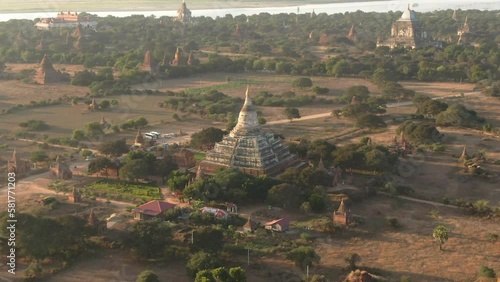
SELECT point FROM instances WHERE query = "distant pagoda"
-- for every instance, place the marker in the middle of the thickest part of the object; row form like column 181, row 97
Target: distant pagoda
column 249, row 148
column 352, row 34
column 183, row 14
column 149, row 64
column 407, row 31
column 46, row 73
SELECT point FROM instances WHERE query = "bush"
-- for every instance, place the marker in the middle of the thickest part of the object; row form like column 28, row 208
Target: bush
column 147, row 276
column 302, row 82
column 320, row 90
column 487, row 272
column 35, row 125
column 393, row 222
column 492, row 237
column 85, row 153
column 438, row 147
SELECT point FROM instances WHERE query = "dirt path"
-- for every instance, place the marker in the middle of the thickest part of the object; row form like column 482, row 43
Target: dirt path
column 436, row 204
column 391, row 105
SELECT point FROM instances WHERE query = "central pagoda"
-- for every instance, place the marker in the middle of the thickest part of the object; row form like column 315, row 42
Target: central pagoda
column 249, row 148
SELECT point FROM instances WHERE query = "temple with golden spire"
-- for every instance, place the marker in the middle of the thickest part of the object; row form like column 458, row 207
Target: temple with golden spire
column 249, row 148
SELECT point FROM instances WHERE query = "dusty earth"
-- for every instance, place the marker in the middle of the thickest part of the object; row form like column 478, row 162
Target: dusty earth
column 408, row 251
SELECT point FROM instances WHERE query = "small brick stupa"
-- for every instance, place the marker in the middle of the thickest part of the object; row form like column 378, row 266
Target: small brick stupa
column 178, row 59
column 46, row 73
column 149, row 63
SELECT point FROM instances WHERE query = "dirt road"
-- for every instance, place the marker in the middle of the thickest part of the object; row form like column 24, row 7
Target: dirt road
column 391, row 105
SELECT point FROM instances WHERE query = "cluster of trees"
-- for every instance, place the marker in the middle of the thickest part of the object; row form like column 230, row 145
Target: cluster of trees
column 86, row 78
column 214, row 104
column 419, row 132
column 234, row 274
column 34, row 125
column 226, row 185
column 450, row 115
column 136, row 165
column 284, row 36
column 364, row 108
column 64, row 237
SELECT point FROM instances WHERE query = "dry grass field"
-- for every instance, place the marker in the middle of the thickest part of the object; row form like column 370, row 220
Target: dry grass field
column 408, row 251
column 411, row 250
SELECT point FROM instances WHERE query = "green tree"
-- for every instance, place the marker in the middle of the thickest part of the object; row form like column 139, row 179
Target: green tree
column 238, row 274
column 134, row 169
column 440, row 234
column 114, row 148
column 302, row 82
column 208, row 239
column 141, row 122
column 85, row 153
column 431, row 107
column 317, row 203
column 370, row 121
column 177, row 180
column 99, row 164
column 352, row 259
column 94, row 130
column 201, row 261
column 206, row 137
column 303, row 256
column 79, row 135
column 39, row 156
column 221, row 274
column 292, row 113
column 147, row 276
column 204, row 275
column 164, row 167
column 360, row 91
column 149, row 238
column 104, row 104
column 284, row 195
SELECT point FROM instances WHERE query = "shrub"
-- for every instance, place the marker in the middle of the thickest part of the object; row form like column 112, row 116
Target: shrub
column 492, row 237
column 302, row 82
column 35, row 125
column 438, row 147
column 320, row 90
column 487, row 272
column 393, row 222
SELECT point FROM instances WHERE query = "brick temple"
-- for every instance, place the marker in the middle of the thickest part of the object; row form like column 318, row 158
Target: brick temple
column 408, row 32
column 249, row 148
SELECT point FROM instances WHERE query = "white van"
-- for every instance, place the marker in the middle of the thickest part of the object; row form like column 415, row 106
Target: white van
column 149, row 136
column 155, row 134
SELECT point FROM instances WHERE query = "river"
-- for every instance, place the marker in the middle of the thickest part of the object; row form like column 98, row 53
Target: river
column 370, row 6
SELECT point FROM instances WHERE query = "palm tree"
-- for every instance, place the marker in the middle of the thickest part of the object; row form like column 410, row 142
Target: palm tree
column 441, row 235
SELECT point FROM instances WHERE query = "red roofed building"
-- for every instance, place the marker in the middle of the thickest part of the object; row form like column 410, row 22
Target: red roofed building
column 281, row 225
column 152, row 209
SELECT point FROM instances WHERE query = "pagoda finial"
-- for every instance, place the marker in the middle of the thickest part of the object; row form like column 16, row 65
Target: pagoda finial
column 342, row 208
